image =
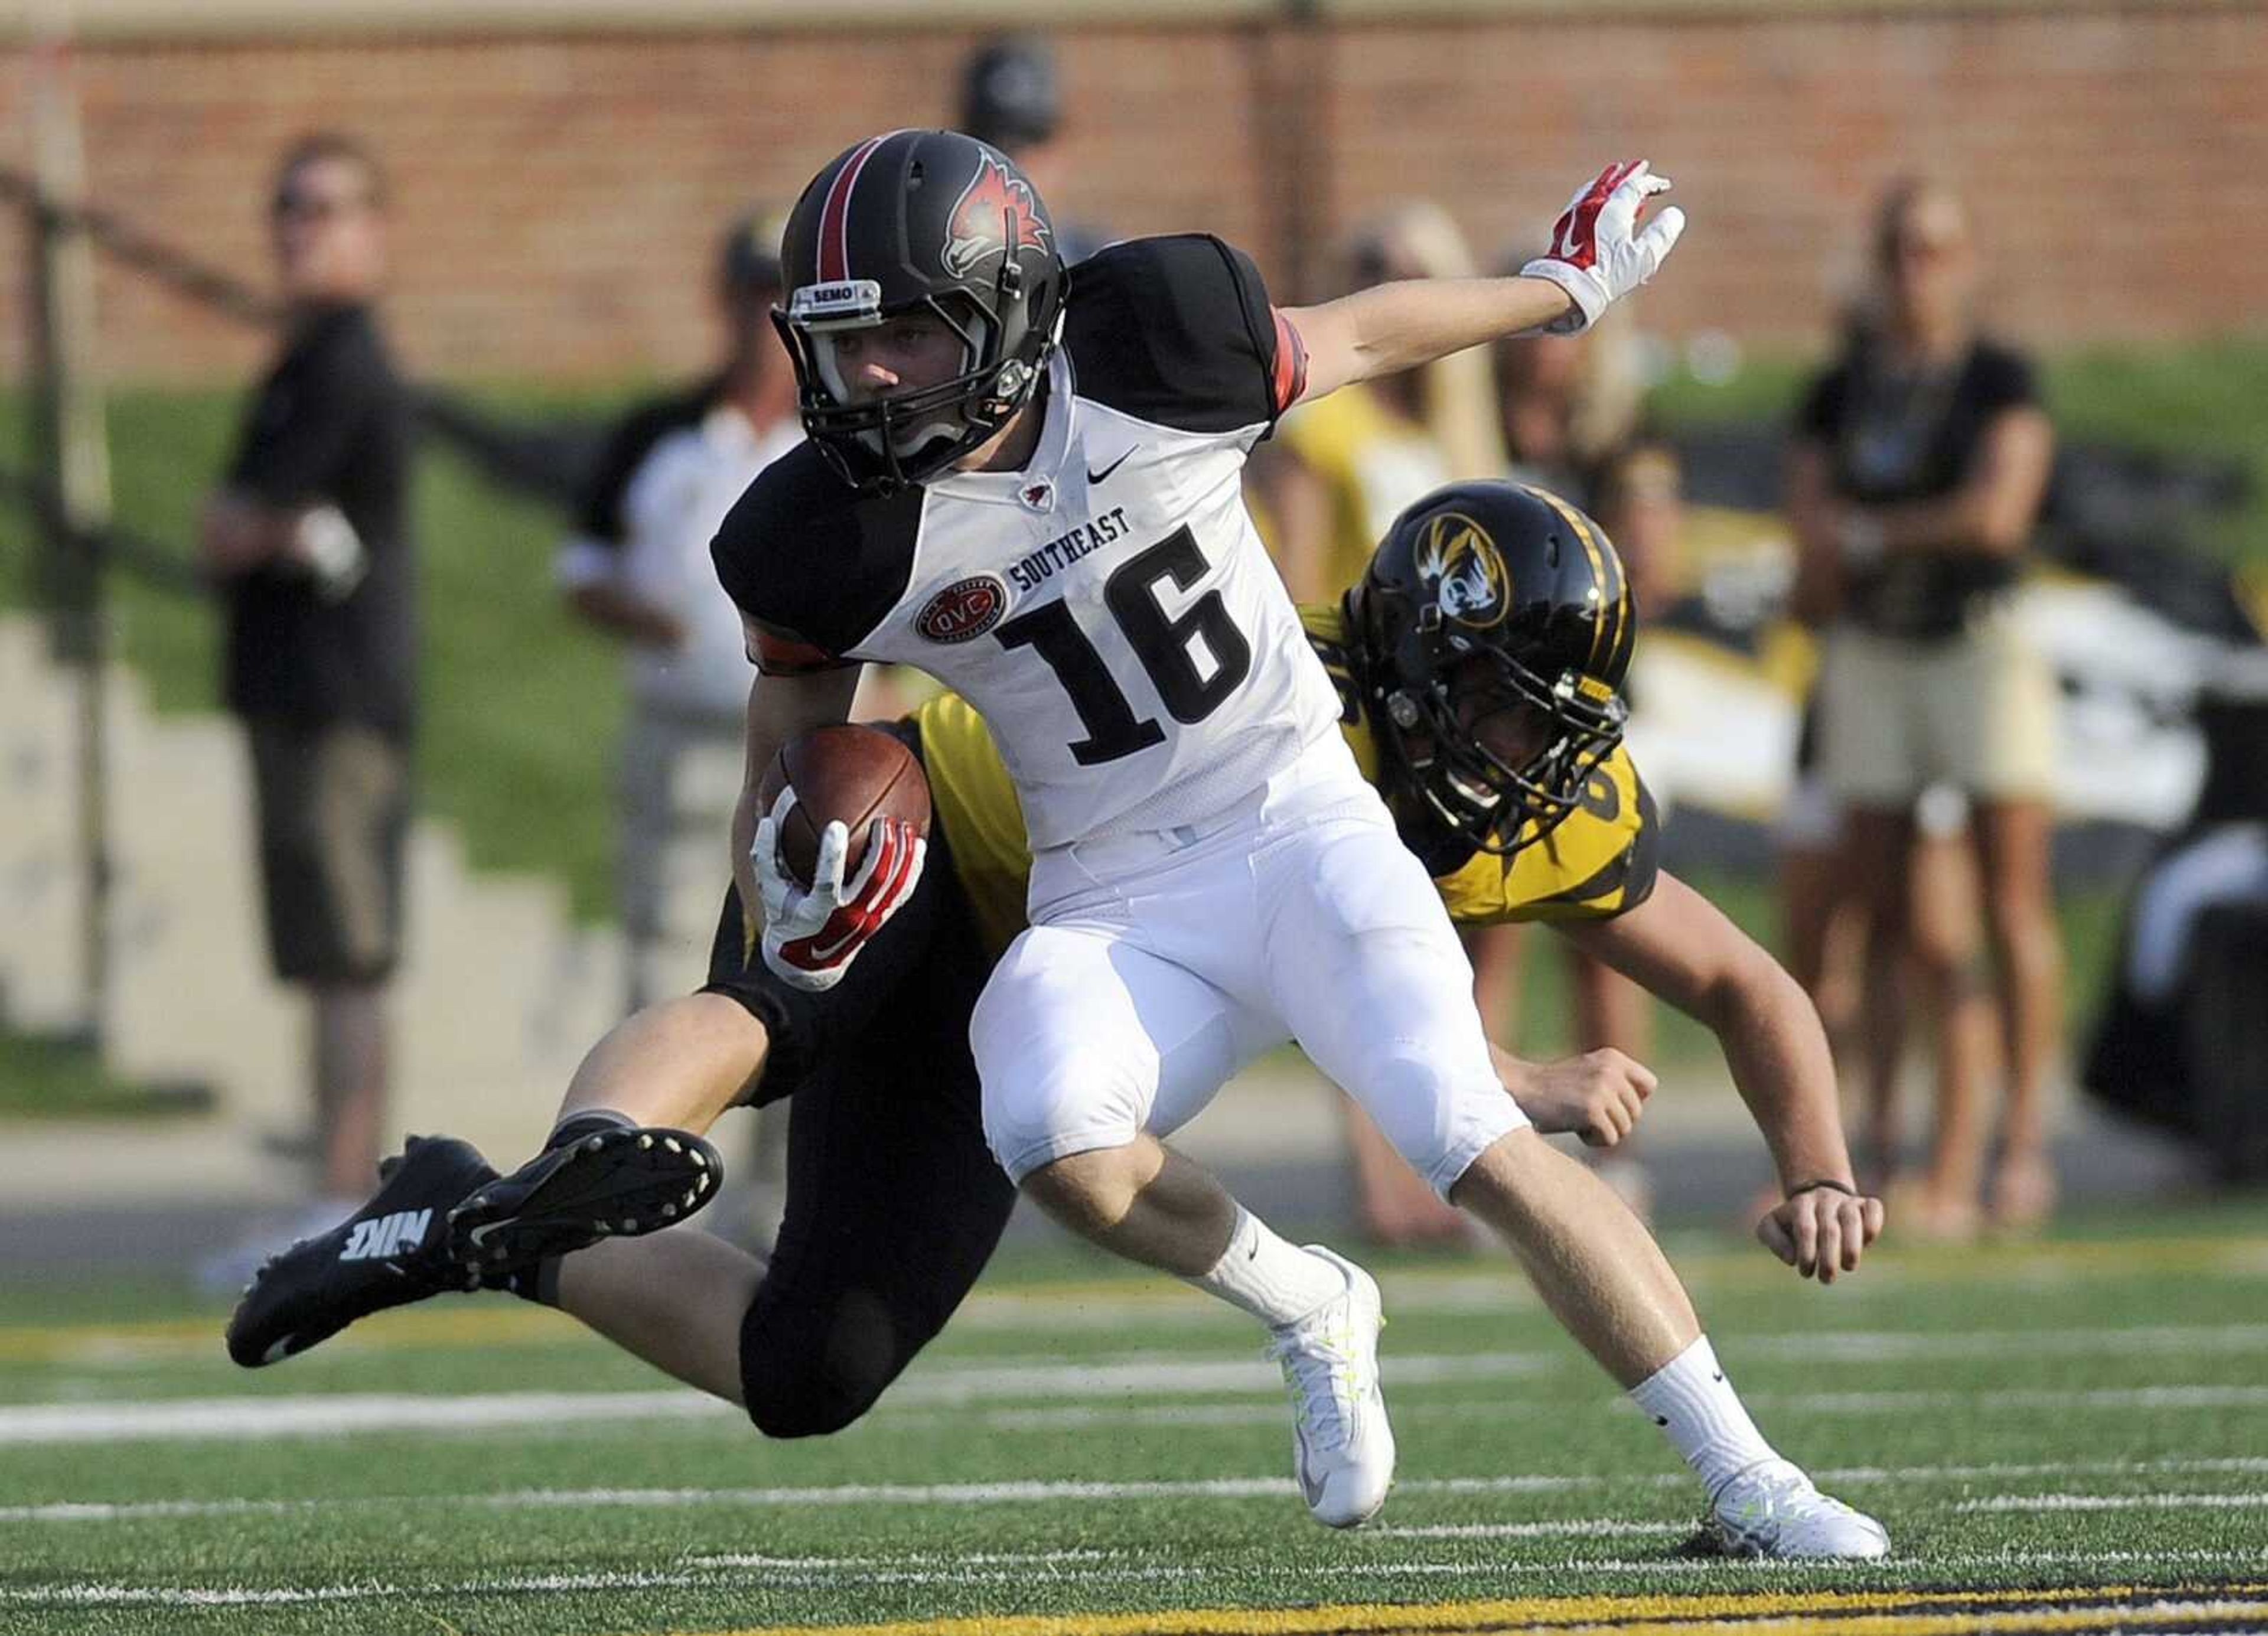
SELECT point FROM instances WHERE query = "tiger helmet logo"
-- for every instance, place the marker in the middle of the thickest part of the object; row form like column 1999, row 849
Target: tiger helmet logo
column 1466, row 572
column 996, row 214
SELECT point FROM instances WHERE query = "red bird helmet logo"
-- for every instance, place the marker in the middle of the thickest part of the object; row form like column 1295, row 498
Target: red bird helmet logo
column 996, row 214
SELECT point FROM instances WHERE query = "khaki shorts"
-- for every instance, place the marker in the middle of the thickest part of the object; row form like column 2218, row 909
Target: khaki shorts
column 1976, row 712
column 333, row 822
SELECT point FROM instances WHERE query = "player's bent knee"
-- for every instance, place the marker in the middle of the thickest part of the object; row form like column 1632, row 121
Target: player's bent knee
column 1438, row 1118
column 811, row 1374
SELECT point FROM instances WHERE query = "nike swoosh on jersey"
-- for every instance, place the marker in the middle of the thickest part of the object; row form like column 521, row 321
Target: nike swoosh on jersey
column 1094, row 477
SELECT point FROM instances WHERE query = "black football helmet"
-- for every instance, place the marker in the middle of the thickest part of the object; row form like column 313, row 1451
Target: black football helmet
column 919, row 221
column 1494, row 596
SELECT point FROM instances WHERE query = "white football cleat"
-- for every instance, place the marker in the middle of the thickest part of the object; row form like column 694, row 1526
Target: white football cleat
column 1342, row 1447
column 1771, row 1509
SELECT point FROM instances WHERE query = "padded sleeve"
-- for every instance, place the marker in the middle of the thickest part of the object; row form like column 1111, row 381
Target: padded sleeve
column 310, row 417
column 812, row 567
column 1178, row 331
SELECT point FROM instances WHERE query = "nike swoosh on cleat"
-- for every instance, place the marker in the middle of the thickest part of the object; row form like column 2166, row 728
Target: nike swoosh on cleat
column 1094, row 477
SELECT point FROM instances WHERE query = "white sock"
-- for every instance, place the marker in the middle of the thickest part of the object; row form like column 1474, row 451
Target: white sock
column 1697, row 1408
column 1276, row 1282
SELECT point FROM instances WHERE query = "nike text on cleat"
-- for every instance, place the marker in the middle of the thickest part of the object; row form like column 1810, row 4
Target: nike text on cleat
column 1772, row 1510
column 390, row 1252
column 614, row 1183
column 1342, row 1447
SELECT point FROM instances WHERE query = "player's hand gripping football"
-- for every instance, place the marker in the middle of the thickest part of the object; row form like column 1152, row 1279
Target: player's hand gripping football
column 1821, row 1230
column 812, row 933
column 1599, row 253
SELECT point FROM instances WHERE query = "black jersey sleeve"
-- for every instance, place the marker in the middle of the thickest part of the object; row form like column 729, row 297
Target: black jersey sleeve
column 814, row 565
column 314, row 413
column 1820, row 414
column 598, row 504
column 1178, row 331
column 2001, row 379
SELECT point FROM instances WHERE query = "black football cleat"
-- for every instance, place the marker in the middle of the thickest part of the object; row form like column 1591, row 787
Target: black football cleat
column 392, row 1251
column 615, row 1182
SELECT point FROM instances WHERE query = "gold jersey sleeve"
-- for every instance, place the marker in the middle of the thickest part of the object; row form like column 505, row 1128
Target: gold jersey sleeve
column 1600, row 860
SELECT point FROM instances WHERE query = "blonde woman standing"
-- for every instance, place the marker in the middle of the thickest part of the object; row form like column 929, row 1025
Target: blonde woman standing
column 1919, row 463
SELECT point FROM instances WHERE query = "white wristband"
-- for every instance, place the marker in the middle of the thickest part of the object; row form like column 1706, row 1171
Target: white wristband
column 332, row 551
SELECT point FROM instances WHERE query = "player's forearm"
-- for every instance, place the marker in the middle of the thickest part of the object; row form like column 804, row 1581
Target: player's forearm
column 1965, row 523
column 624, row 614
column 1395, row 326
column 1780, row 1061
column 236, row 533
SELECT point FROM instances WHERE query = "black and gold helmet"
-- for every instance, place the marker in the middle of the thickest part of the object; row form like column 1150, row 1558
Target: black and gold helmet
column 1485, row 598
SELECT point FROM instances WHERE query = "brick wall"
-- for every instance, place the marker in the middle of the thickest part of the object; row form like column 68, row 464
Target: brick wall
column 559, row 196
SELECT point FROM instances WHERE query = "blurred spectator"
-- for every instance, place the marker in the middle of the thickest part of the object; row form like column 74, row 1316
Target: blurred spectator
column 638, row 566
column 1919, row 461
column 1563, row 404
column 1341, row 469
column 1010, row 98
column 1330, row 485
column 306, row 538
column 1639, row 497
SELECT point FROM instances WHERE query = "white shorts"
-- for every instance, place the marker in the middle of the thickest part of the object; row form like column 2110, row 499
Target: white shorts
column 1157, row 964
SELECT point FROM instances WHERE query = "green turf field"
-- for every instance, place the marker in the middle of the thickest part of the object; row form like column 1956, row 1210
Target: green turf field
column 2091, row 1411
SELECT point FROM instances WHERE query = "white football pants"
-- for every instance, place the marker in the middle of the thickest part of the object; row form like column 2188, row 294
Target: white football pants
column 1159, row 964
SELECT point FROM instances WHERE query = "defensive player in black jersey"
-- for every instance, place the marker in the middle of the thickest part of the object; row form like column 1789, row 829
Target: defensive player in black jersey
column 1517, row 794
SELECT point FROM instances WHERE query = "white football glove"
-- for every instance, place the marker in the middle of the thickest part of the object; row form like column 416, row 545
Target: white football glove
column 812, row 934
column 1598, row 254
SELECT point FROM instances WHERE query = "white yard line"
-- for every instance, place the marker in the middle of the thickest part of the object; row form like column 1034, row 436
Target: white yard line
column 2115, row 1502
column 1901, row 1347
column 1058, row 1492
column 762, row 1572
column 313, row 1415
column 1580, row 1528
column 2002, row 1397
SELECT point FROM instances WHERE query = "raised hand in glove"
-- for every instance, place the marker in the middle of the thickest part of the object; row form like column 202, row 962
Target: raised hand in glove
column 1599, row 253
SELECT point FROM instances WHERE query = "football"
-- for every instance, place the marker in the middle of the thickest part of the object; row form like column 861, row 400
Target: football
column 856, row 774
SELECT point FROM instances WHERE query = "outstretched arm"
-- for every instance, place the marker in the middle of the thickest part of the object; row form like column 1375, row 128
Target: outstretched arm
column 1597, row 256
column 1680, row 947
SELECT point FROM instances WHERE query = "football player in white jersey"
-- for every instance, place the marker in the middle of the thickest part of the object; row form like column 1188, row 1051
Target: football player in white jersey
column 1028, row 487
column 893, row 1200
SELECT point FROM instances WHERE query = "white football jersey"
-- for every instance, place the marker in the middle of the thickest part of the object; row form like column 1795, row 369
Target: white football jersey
column 1109, row 609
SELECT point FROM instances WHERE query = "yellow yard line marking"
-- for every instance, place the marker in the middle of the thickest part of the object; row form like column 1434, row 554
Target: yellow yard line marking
column 447, row 1325
column 1857, row 1613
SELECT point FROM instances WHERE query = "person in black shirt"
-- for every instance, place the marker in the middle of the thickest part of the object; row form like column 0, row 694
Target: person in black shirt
column 306, row 540
column 1919, row 461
